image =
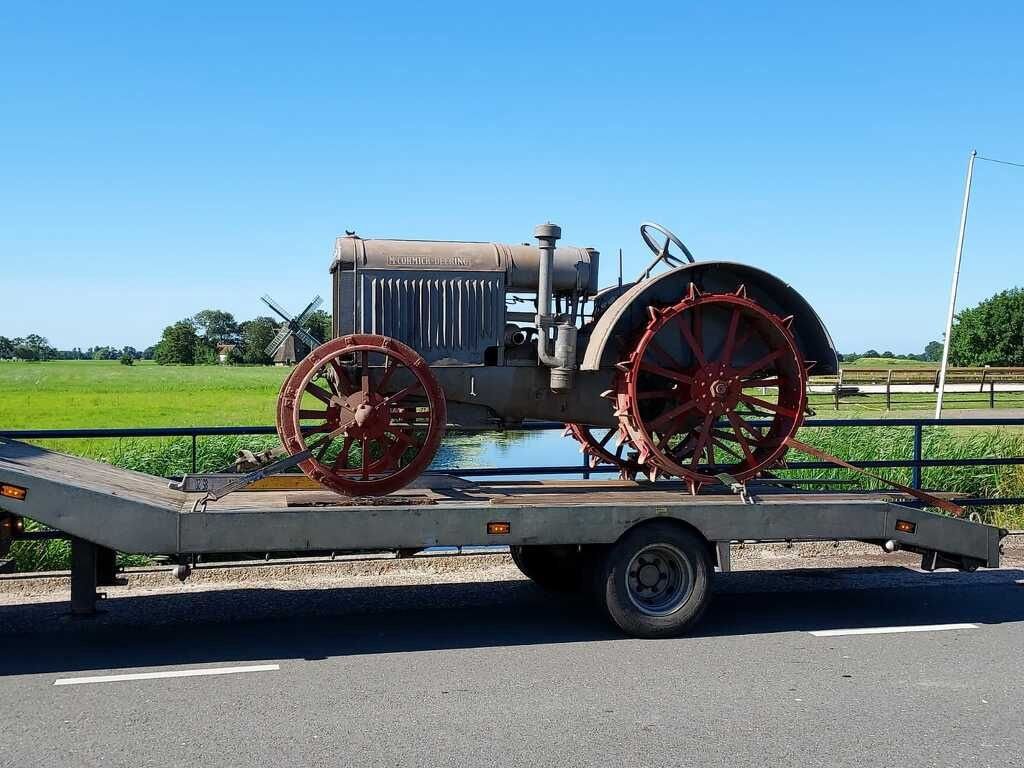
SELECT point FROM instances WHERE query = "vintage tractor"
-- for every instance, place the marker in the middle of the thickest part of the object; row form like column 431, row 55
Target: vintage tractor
column 693, row 370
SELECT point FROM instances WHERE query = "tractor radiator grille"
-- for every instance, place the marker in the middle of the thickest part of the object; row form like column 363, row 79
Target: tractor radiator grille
column 442, row 316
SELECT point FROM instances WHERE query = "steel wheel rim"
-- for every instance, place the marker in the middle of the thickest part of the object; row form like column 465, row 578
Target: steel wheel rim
column 599, row 451
column 379, row 424
column 659, row 580
column 702, row 395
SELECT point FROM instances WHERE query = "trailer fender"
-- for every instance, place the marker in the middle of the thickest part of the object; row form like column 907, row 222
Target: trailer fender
column 628, row 313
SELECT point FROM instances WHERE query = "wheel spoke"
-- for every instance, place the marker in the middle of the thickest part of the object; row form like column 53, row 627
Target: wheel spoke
column 673, row 413
column 305, row 413
column 323, row 449
column 670, row 432
column 682, row 378
column 730, row 337
column 777, row 408
column 389, row 369
column 341, row 460
column 403, row 393
column 657, row 394
column 725, row 447
column 688, row 337
column 705, row 434
column 365, row 381
column 365, row 448
column 772, row 382
column 319, row 393
column 341, row 375
column 661, row 354
column 755, row 367
column 736, row 423
column 403, row 437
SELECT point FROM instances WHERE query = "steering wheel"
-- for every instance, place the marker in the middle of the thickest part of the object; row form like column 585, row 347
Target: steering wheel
column 663, row 252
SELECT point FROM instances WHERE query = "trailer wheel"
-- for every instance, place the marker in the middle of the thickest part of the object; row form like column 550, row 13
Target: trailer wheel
column 655, row 581
column 554, row 568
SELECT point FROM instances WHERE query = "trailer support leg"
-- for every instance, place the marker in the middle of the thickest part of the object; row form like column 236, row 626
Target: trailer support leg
column 83, row 577
column 106, row 567
column 723, row 554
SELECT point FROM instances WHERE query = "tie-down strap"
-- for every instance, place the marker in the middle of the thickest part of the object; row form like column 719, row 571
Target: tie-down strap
column 933, row 501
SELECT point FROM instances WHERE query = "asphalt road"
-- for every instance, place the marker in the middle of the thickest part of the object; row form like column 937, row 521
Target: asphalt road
column 493, row 674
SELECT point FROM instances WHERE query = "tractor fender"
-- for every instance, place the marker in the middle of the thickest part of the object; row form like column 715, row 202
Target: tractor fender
column 619, row 323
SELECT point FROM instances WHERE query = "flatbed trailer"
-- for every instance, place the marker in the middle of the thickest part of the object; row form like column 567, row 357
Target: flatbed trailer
column 648, row 551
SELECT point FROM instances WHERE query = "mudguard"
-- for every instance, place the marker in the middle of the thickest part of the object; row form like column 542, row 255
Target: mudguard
column 628, row 313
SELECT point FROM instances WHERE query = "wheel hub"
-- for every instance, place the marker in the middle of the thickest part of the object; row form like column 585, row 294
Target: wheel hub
column 368, row 418
column 650, row 575
column 716, row 388
column 659, row 580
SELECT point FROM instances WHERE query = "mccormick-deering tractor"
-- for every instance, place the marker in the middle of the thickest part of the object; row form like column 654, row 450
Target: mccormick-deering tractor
column 691, row 371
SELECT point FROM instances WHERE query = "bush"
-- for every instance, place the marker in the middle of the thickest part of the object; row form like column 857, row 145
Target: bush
column 127, row 360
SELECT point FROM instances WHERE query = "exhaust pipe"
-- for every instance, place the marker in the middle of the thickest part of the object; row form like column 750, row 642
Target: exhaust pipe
column 563, row 362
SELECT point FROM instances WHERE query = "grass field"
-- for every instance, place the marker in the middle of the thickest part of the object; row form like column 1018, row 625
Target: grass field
column 72, row 394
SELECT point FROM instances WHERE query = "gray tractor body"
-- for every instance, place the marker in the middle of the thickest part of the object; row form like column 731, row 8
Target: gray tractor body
column 455, row 304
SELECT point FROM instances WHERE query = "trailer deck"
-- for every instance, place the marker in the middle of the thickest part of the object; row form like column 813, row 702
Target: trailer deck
column 129, row 511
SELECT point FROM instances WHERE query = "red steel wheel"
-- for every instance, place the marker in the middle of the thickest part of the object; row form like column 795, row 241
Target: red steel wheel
column 600, row 451
column 700, row 372
column 385, row 400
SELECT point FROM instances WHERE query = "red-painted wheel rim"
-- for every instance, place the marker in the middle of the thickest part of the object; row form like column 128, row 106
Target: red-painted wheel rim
column 699, row 374
column 606, row 445
column 370, row 408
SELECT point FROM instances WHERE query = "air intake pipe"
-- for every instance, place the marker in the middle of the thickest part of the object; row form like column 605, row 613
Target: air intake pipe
column 563, row 361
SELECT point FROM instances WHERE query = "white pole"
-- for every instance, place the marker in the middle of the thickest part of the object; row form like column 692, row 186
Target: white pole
column 956, row 280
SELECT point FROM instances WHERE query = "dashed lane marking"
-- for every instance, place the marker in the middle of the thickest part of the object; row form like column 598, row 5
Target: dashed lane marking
column 890, row 630
column 167, row 673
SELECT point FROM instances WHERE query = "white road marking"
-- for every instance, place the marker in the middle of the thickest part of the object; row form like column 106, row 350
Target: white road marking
column 168, row 673
column 891, row 630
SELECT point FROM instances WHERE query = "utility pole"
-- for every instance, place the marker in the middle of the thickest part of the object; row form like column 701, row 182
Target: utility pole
column 956, row 280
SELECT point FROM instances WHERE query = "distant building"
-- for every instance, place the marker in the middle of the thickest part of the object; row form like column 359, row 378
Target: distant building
column 224, row 352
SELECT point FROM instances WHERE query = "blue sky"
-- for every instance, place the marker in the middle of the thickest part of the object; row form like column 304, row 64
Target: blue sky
column 161, row 158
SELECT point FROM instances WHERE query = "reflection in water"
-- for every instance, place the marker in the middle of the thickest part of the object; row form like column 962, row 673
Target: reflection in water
column 508, row 449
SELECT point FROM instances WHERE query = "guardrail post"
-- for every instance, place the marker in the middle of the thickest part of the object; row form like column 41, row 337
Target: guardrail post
column 193, row 452
column 888, row 390
column 839, row 386
column 915, row 480
column 586, row 465
column 991, row 394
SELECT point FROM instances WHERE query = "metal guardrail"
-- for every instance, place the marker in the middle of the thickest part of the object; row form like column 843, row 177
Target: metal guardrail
column 916, row 463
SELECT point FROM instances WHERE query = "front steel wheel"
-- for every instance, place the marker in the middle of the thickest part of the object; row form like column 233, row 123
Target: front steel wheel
column 371, row 409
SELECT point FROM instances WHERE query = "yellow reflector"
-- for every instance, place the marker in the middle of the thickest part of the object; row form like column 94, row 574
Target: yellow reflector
column 498, row 529
column 12, row 492
column 905, row 526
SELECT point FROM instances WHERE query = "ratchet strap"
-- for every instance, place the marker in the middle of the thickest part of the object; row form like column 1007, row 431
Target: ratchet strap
column 933, row 501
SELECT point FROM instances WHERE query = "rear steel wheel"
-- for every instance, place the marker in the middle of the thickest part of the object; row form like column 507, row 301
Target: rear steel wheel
column 384, row 399
column 607, row 445
column 700, row 373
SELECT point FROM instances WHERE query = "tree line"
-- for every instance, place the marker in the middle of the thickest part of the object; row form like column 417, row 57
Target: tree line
column 204, row 337
column 932, row 354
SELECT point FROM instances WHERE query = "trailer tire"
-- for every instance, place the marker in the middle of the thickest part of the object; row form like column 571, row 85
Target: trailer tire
column 655, row 581
column 557, row 568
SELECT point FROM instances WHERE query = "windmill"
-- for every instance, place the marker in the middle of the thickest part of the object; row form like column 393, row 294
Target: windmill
column 293, row 326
